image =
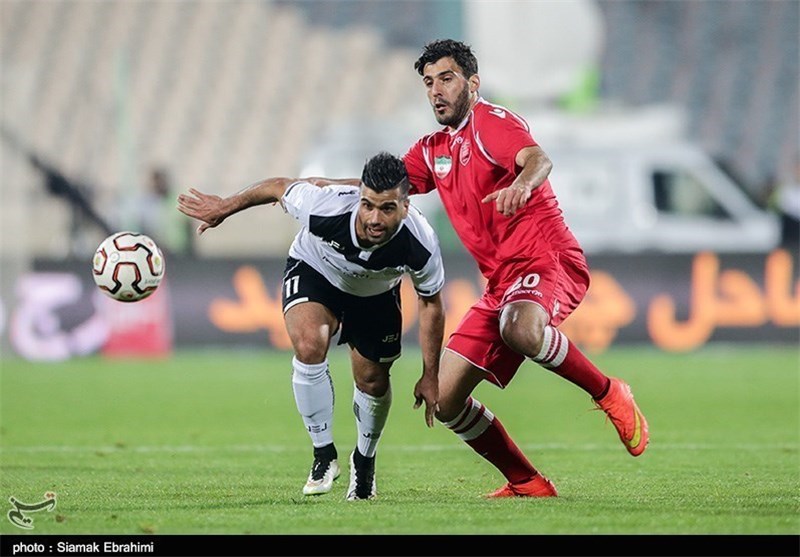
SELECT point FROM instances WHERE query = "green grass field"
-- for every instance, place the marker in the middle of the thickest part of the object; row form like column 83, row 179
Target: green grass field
column 210, row 443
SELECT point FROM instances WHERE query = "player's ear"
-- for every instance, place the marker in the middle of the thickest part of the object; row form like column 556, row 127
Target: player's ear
column 474, row 83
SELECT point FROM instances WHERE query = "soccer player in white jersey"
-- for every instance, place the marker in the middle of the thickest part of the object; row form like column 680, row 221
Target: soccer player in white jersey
column 343, row 272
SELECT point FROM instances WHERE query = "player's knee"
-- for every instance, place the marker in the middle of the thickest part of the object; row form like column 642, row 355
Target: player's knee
column 443, row 416
column 448, row 408
column 374, row 385
column 310, row 350
column 521, row 331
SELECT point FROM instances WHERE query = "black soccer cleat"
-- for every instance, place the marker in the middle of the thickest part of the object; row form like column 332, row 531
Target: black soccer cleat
column 362, row 477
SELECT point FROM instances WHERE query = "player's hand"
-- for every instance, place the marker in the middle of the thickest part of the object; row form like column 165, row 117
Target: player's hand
column 203, row 207
column 427, row 390
column 509, row 200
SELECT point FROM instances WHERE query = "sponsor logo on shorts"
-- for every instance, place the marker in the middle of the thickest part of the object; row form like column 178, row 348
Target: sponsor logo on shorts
column 520, row 291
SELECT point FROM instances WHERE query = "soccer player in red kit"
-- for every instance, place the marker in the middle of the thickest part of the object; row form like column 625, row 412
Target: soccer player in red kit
column 492, row 178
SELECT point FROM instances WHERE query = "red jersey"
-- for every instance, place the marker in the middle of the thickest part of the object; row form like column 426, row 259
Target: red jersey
column 468, row 163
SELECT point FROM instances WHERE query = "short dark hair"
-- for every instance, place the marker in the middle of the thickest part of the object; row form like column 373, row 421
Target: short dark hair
column 442, row 48
column 385, row 172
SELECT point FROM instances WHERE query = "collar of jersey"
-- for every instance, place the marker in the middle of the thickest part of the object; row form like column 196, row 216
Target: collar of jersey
column 354, row 237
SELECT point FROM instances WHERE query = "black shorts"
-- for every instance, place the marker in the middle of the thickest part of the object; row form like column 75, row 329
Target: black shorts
column 372, row 324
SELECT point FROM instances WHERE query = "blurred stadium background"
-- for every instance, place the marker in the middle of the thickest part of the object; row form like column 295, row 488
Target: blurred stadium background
column 100, row 97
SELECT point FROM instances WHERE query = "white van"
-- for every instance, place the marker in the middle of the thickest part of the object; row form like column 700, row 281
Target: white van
column 656, row 198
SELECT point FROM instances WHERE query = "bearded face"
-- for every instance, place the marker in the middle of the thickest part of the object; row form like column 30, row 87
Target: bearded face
column 448, row 91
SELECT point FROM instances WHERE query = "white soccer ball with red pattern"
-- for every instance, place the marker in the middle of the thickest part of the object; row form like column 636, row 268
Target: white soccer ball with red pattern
column 128, row 266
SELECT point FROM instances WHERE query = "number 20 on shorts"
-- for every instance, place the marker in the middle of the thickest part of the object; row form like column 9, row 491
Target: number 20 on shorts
column 528, row 281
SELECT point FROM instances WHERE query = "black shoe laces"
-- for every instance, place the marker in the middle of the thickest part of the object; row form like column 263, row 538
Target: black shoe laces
column 319, row 468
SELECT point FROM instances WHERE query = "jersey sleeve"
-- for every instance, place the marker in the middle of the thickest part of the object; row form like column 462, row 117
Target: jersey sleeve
column 303, row 199
column 430, row 279
column 420, row 177
column 426, row 273
column 502, row 134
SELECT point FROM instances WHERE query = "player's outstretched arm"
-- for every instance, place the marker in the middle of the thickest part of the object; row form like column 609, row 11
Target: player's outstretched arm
column 212, row 210
column 431, row 334
column 321, row 182
column 536, row 167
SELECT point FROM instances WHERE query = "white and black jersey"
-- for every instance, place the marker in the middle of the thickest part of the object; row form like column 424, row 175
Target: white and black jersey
column 327, row 242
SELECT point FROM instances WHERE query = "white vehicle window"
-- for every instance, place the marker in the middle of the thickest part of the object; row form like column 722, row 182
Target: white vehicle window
column 680, row 194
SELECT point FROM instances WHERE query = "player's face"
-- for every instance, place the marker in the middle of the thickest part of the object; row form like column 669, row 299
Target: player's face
column 379, row 215
column 449, row 92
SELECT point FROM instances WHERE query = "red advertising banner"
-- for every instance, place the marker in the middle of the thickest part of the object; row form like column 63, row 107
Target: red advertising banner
column 139, row 329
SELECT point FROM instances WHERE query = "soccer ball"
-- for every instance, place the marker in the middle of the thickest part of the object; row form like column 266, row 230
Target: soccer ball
column 128, row 266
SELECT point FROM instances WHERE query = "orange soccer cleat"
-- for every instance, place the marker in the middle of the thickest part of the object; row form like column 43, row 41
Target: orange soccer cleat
column 621, row 409
column 539, row 486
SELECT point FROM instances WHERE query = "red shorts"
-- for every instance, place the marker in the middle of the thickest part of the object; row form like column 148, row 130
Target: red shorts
column 557, row 283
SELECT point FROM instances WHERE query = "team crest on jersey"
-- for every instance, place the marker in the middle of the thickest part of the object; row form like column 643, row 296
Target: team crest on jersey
column 441, row 165
column 465, row 153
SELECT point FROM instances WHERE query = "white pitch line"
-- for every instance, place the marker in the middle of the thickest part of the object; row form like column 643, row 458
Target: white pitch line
column 416, row 448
